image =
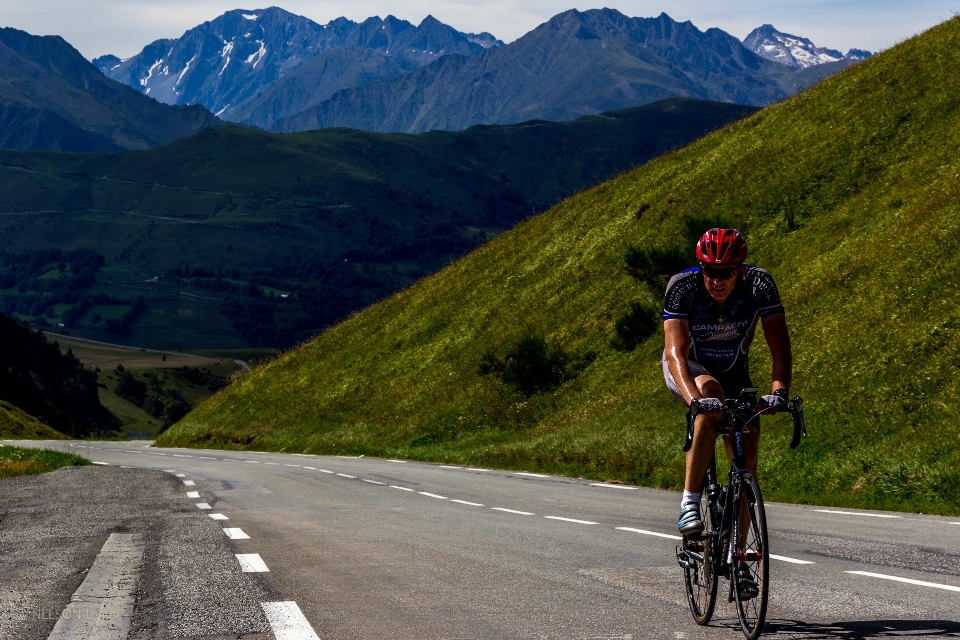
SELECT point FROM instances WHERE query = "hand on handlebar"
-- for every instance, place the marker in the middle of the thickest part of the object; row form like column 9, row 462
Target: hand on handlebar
column 710, row 407
column 772, row 404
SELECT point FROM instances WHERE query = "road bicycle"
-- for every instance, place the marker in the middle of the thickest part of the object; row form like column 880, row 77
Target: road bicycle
column 705, row 557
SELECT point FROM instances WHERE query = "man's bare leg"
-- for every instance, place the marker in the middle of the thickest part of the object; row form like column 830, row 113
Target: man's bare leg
column 704, row 436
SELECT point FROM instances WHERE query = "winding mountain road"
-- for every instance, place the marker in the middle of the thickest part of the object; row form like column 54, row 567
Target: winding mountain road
column 344, row 548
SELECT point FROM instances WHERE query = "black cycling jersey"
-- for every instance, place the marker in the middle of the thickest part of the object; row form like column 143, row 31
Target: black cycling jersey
column 721, row 333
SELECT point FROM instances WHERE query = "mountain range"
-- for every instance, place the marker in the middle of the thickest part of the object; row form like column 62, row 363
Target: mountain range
column 226, row 61
column 794, row 51
column 52, row 98
column 285, row 73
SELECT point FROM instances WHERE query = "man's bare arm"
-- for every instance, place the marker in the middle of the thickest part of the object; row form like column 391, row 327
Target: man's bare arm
column 778, row 339
column 676, row 336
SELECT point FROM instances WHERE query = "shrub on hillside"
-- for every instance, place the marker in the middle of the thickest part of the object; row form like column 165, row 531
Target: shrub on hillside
column 533, row 365
column 634, row 327
column 655, row 265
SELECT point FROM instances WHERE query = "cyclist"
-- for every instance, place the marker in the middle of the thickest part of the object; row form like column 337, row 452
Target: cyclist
column 710, row 316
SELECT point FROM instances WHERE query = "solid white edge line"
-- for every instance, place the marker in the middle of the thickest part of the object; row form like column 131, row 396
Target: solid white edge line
column 851, row 513
column 106, row 464
column 531, row 475
column 346, row 476
column 790, row 560
column 218, row 516
column 251, row 563
column 432, row 495
column 611, row 486
column 570, row 520
column 393, row 486
column 651, row 533
column 288, row 622
column 372, row 481
column 471, row 504
column 475, row 469
column 193, row 494
column 447, row 466
column 921, row 583
column 522, row 513
column 235, row 533
column 400, row 461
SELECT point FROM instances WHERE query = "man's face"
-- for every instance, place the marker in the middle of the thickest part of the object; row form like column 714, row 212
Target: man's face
column 720, row 281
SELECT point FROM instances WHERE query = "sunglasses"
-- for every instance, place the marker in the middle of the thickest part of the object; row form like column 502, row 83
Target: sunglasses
column 720, row 274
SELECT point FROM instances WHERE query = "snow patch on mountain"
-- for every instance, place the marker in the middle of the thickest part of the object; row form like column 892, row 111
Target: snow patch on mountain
column 794, row 51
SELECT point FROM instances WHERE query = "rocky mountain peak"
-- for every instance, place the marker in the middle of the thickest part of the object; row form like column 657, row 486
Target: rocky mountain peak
column 794, row 51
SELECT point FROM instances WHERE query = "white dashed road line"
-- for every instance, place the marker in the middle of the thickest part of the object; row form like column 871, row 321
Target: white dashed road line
column 180, row 475
column 851, row 513
column 790, row 560
column 218, row 516
column 203, row 505
column 288, row 622
column 432, row 495
column 189, row 483
column 921, row 583
column 372, row 481
column 324, row 471
column 530, row 475
column 251, row 563
column 106, row 464
column 311, row 468
column 193, row 494
column 446, row 466
column 400, row 461
column 521, row 513
column 470, row 504
column 651, row 533
column 393, row 486
column 236, row 534
column 570, row 520
column 611, row 486
column 346, row 476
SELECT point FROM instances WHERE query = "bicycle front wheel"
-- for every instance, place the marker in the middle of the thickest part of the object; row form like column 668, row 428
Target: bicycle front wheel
column 752, row 558
column 698, row 575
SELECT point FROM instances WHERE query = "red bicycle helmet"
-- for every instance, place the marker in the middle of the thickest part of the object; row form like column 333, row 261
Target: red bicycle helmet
column 722, row 246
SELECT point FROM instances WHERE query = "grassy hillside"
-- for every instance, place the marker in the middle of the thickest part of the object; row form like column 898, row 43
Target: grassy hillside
column 15, row 461
column 236, row 238
column 848, row 193
column 17, row 424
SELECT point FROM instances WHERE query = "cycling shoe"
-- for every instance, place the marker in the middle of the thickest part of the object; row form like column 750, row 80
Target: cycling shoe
column 690, row 522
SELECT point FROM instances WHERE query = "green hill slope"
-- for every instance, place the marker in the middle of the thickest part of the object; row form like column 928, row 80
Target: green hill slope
column 236, row 237
column 848, row 193
column 17, row 424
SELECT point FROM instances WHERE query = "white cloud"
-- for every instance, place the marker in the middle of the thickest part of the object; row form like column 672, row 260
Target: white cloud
column 123, row 27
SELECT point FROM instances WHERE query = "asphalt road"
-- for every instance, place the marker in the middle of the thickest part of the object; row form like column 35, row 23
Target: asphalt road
column 372, row 548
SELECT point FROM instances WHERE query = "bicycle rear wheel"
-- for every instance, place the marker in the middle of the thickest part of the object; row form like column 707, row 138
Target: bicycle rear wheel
column 698, row 575
column 752, row 557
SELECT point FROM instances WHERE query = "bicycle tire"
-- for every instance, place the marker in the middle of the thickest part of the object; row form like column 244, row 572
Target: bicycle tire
column 699, row 579
column 754, row 555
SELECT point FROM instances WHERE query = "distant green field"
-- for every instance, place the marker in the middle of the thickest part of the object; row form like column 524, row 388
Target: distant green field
column 15, row 461
column 237, row 238
column 848, row 193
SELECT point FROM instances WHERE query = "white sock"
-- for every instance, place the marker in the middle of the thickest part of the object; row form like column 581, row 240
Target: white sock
column 689, row 497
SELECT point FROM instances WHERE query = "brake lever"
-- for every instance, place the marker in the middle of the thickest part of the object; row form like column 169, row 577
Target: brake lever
column 692, row 412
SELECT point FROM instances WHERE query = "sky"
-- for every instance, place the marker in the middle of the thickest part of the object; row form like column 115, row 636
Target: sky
column 124, row 27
